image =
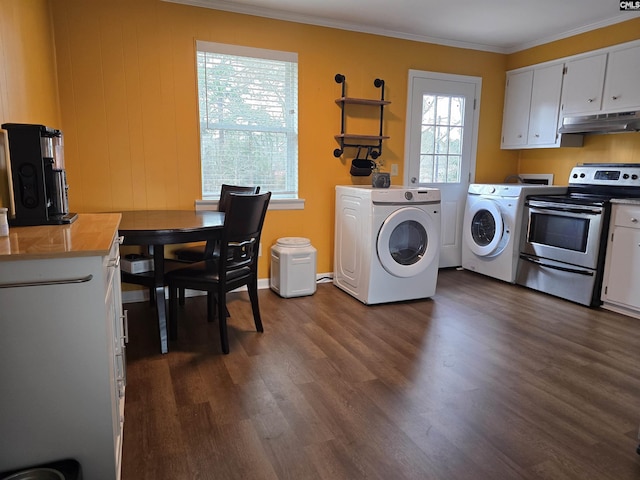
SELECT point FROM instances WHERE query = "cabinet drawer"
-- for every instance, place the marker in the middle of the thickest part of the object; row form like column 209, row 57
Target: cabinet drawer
column 627, row 216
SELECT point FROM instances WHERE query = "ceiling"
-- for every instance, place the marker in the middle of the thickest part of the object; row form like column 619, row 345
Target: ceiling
column 503, row 26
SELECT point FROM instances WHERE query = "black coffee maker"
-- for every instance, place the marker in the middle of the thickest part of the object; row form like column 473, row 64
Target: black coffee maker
column 38, row 177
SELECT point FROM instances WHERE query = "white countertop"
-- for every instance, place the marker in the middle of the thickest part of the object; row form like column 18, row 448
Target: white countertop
column 91, row 234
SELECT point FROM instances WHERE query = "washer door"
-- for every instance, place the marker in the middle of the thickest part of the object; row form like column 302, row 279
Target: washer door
column 484, row 229
column 408, row 242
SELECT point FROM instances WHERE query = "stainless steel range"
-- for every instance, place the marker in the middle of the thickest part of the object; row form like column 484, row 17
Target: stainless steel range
column 564, row 249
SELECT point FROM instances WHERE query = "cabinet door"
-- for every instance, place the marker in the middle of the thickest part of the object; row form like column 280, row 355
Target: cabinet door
column 545, row 105
column 623, row 282
column 621, row 85
column 117, row 336
column 517, row 103
column 583, row 85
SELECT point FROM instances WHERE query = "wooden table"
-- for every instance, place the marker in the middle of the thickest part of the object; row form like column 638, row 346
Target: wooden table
column 155, row 229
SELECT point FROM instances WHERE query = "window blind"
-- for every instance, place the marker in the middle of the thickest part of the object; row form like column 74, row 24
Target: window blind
column 248, row 108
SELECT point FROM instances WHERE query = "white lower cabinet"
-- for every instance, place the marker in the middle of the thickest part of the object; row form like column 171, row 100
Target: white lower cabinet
column 62, row 363
column 621, row 284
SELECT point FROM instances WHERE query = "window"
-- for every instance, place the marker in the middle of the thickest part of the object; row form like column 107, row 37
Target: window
column 441, row 140
column 248, row 104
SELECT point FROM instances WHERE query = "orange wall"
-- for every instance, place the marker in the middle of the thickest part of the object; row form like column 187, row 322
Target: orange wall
column 28, row 86
column 126, row 83
column 618, row 148
column 129, row 111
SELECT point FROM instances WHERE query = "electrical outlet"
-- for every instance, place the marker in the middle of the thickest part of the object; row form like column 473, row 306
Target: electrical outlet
column 394, row 169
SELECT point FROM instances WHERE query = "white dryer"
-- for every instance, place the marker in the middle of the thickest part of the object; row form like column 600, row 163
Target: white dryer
column 493, row 227
column 387, row 242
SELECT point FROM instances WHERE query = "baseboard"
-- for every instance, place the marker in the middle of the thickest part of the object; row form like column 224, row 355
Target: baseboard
column 142, row 295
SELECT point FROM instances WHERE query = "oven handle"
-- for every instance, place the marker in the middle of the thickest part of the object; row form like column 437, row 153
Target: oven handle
column 556, row 207
column 579, row 271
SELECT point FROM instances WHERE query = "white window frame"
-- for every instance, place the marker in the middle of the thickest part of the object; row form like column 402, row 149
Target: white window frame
column 291, row 201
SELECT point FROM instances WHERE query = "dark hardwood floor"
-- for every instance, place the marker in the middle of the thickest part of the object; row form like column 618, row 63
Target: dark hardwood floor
column 486, row 380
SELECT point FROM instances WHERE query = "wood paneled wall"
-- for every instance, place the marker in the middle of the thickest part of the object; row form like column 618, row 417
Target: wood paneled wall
column 129, row 105
column 28, row 81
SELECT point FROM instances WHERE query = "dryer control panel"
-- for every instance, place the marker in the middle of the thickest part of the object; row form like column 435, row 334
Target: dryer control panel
column 405, row 195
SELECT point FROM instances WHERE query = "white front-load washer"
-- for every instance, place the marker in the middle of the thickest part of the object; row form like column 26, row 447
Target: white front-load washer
column 387, row 242
column 492, row 229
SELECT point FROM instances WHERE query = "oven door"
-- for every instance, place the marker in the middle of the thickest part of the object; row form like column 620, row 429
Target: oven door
column 567, row 233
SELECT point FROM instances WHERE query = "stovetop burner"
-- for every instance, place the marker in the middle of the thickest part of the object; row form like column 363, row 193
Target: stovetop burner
column 574, row 199
column 599, row 183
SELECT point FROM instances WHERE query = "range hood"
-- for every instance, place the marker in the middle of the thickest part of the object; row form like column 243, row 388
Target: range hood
column 601, row 123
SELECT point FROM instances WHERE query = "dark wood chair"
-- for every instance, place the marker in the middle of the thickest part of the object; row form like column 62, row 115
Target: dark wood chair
column 235, row 266
column 195, row 253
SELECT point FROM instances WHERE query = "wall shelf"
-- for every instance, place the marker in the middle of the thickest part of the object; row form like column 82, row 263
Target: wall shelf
column 372, row 144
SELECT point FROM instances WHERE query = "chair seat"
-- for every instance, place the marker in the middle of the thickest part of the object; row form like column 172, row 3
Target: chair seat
column 204, row 272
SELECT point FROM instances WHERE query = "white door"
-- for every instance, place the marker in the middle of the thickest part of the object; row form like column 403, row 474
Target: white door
column 440, row 146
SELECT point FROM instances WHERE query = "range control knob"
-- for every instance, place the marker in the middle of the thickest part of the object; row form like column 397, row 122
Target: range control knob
column 625, row 176
column 408, row 195
column 634, row 177
column 575, row 175
column 582, row 175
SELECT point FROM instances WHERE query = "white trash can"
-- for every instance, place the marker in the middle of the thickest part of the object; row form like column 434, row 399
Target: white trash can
column 293, row 267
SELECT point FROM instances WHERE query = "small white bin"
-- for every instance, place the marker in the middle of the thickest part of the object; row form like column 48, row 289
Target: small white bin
column 293, row 267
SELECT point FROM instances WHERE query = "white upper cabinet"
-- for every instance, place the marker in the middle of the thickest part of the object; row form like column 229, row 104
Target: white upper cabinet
column 539, row 96
column 517, row 103
column 532, row 107
column 545, row 105
column 621, row 89
column 583, row 85
column 605, row 82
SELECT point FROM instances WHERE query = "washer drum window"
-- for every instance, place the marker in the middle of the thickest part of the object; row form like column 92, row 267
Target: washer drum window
column 484, row 231
column 408, row 242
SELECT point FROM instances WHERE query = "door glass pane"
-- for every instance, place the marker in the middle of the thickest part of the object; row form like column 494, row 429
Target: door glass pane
column 457, row 110
column 426, row 168
column 408, row 242
column 441, row 170
column 442, row 130
column 483, row 228
column 442, row 144
column 454, row 167
column 428, row 109
column 443, row 105
column 427, row 143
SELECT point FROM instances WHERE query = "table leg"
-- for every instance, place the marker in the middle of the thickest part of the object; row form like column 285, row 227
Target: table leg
column 161, row 310
column 152, row 291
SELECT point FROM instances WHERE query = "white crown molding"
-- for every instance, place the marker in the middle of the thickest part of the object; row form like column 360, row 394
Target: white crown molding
column 623, row 17
column 324, row 22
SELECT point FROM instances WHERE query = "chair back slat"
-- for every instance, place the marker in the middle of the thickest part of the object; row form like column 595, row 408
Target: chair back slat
column 245, row 216
column 225, row 190
column 242, row 226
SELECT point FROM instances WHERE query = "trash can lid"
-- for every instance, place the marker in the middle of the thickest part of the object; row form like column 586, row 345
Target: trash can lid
column 293, row 242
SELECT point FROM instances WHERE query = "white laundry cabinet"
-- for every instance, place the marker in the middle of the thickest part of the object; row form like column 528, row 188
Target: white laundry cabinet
column 62, row 341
